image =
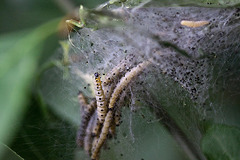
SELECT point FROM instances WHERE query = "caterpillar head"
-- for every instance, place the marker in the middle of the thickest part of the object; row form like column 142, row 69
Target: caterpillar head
column 96, row 75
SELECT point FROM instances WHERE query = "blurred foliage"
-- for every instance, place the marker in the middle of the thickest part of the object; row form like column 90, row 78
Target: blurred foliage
column 22, row 48
column 27, row 124
column 18, row 68
column 221, row 142
column 18, row 15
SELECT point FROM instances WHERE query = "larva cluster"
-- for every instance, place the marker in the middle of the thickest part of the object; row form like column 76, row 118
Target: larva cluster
column 110, row 97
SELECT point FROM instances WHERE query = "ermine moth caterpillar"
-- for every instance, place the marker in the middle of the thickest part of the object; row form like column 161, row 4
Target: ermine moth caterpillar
column 194, row 24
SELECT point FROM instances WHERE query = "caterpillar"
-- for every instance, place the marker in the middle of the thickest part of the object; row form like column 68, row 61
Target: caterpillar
column 117, row 91
column 96, row 127
column 82, row 101
column 108, row 87
column 111, row 78
column 95, row 135
column 117, row 114
column 125, row 81
column 103, row 135
column 194, row 24
column 88, row 138
column 118, row 70
column 114, row 73
column 101, row 103
column 95, row 131
column 87, row 111
column 108, row 90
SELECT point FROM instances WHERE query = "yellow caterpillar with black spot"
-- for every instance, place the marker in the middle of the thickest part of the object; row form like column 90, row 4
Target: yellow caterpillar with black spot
column 101, row 102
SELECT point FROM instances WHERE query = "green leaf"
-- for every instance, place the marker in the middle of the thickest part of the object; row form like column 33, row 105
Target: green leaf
column 221, row 142
column 9, row 153
column 8, row 40
column 17, row 69
column 25, row 46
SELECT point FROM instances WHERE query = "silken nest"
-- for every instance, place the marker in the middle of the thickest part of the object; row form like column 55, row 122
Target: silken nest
column 149, row 70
